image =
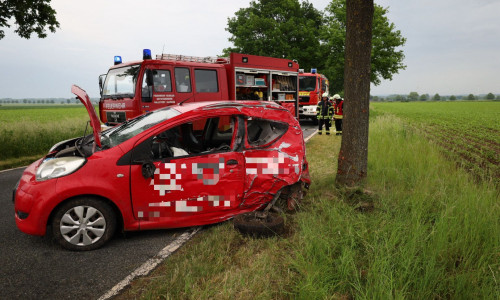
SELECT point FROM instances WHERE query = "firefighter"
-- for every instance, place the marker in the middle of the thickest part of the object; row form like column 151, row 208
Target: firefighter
column 338, row 106
column 324, row 113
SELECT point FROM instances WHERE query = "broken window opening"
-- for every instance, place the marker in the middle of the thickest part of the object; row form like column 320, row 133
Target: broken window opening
column 264, row 132
column 197, row 137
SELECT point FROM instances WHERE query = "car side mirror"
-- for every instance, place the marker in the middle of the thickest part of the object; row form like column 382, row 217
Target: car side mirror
column 147, row 91
column 148, row 170
column 147, row 94
column 101, row 82
column 149, row 77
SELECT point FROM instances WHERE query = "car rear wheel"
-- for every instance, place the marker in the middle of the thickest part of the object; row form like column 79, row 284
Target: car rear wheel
column 83, row 224
column 254, row 224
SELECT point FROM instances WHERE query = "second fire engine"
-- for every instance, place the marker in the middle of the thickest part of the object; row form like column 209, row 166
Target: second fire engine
column 311, row 87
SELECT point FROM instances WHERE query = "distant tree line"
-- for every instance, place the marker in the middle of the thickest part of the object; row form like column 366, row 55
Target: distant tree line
column 414, row 96
column 43, row 101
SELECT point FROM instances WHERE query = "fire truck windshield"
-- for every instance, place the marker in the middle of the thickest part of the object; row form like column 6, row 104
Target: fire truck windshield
column 307, row 83
column 121, row 82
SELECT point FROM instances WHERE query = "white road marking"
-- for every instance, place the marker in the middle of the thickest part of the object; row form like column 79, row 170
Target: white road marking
column 310, row 136
column 13, row 169
column 151, row 263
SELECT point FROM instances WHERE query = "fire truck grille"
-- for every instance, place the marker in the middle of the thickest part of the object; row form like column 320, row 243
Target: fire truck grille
column 116, row 117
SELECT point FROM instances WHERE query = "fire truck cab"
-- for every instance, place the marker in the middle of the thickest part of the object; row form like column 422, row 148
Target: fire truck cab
column 133, row 88
column 311, row 87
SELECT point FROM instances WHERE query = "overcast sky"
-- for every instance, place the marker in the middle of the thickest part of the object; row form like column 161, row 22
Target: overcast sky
column 452, row 46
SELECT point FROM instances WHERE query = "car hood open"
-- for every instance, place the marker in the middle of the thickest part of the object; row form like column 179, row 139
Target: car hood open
column 94, row 120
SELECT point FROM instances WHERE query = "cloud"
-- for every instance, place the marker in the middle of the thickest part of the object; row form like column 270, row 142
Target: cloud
column 450, row 47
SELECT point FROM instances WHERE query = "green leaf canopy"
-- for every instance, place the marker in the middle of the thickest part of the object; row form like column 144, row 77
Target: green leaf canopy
column 296, row 30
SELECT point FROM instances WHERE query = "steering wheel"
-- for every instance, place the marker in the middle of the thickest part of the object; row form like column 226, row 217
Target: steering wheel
column 78, row 147
column 160, row 148
column 223, row 147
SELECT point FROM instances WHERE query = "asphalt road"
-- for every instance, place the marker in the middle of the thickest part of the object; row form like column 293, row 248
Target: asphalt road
column 38, row 268
column 308, row 128
column 34, row 267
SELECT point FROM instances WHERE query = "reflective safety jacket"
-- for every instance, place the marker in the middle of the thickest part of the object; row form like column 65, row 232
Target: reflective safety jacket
column 324, row 110
column 339, row 109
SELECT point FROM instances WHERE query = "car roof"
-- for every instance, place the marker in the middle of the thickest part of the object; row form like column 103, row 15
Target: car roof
column 206, row 105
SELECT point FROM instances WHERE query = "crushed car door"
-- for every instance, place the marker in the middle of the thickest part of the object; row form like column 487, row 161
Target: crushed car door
column 192, row 177
column 270, row 163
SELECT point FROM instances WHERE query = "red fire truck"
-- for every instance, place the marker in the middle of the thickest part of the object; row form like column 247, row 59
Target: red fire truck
column 311, row 87
column 133, row 88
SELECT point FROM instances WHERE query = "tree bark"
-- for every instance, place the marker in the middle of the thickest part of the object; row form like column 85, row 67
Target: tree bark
column 353, row 156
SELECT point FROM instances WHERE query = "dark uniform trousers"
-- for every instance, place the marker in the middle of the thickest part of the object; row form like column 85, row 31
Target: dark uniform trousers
column 324, row 113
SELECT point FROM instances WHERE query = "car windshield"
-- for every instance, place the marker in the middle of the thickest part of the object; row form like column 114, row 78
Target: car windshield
column 307, row 83
column 121, row 82
column 129, row 129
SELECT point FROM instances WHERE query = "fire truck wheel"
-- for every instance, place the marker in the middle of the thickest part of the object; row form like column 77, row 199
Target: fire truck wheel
column 252, row 224
column 83, row 224
column 315, row 121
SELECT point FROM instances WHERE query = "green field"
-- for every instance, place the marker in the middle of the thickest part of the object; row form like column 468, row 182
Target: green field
column 468, row 132
column 28, row 132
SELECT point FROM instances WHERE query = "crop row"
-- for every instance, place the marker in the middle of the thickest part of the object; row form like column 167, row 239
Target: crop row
column 481, row 162
column 468, row 133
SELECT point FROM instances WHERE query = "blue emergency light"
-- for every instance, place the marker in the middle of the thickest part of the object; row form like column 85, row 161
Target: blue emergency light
column 146, row 54
column 314, row 71
column 118, row 60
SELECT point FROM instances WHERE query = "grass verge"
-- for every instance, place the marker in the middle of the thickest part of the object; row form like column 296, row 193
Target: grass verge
column 431, row 233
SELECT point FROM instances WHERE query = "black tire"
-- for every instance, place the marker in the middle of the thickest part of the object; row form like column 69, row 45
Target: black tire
column 315, row 120
column 83, row 224
column 250, row 224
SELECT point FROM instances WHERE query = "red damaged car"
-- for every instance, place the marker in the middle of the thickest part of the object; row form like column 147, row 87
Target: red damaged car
column 184, row 165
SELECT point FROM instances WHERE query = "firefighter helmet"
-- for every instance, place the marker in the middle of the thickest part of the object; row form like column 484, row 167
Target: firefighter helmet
column 336, row 96
column 325, row 95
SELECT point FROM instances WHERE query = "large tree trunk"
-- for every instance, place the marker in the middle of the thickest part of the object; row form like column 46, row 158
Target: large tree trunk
column 353, row 156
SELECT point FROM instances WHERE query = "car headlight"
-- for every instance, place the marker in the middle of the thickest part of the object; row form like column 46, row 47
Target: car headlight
column 58, row 167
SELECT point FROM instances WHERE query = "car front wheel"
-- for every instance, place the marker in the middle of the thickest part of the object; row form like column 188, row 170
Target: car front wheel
column 83, row 224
